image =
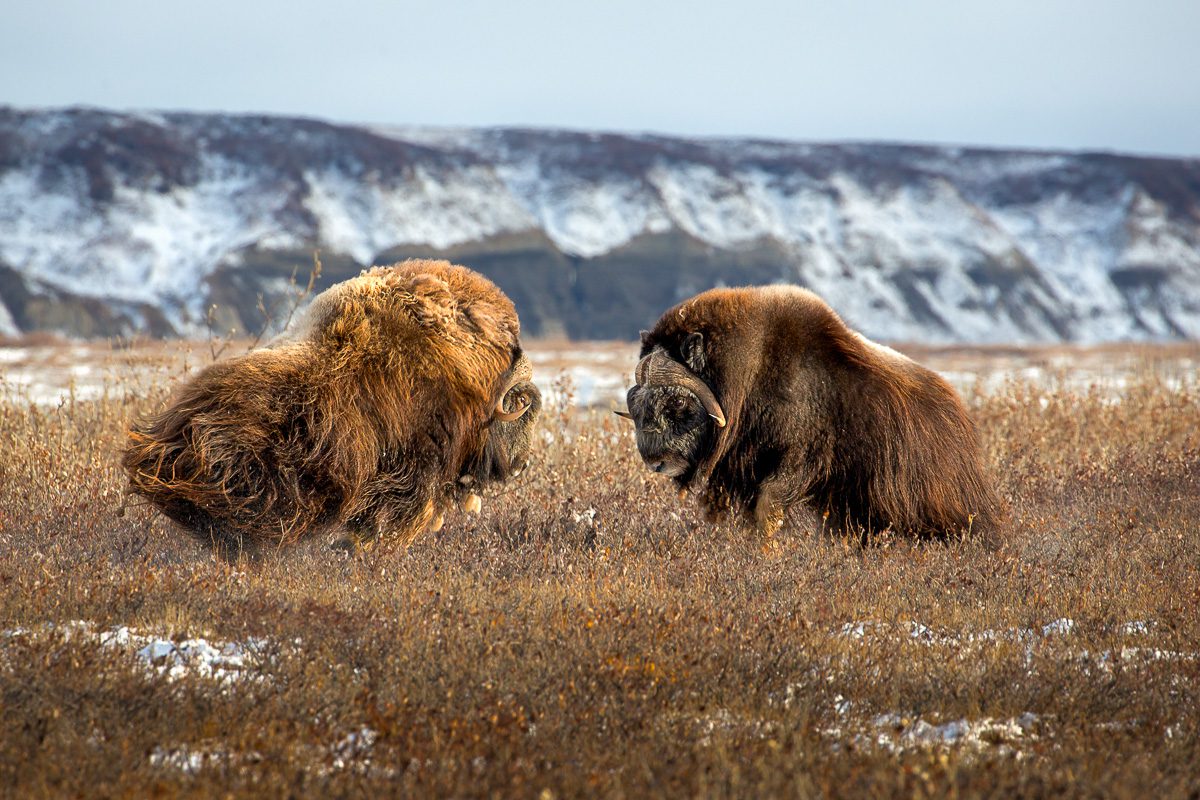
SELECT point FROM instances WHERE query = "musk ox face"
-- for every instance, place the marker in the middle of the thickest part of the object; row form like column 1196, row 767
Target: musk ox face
column 396, row 393
column 510, row 435
column 675, row 412
column 509, row 441
column 673, row 429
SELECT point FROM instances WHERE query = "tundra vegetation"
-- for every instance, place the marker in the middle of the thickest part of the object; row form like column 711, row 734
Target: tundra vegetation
column 589, row 635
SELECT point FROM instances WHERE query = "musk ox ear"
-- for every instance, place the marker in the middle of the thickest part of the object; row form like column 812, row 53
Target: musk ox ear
column 693, row 352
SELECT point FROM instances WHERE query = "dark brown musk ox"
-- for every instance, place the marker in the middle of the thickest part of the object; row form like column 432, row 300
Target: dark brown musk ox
column 761, row 398
column 398, row 393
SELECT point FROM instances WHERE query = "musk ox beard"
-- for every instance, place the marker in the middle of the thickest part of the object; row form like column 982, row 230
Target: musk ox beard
column 763, row 399
column 397, row 393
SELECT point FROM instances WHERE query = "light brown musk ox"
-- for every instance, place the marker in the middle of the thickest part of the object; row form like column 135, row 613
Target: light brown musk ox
column 761, row 398
column 398, row 393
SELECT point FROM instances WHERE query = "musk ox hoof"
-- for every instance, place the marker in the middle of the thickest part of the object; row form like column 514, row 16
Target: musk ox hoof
column 473, row 504
column 768, row 526
column 356, row 543
column 351, row 545
column 232, row 550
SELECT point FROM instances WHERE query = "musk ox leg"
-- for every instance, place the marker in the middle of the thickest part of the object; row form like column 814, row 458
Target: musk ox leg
column 395, row 518
column 232, row 547
column 768, row 509
column 715, row 506
column 841, row 521
column 406, row 528
column 228, row 544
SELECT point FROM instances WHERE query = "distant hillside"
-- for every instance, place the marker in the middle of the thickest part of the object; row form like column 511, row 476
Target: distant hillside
column 115, row 223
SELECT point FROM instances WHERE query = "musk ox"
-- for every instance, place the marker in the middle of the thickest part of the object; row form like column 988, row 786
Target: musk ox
column 397, row 393
column 762, row 398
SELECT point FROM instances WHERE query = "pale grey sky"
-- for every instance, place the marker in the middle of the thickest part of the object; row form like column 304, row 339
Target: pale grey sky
column 1121, row 76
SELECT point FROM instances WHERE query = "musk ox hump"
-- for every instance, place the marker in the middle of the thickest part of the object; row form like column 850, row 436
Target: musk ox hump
column 433, row 299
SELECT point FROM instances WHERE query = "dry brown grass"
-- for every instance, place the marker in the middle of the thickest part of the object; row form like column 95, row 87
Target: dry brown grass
column 589, row 635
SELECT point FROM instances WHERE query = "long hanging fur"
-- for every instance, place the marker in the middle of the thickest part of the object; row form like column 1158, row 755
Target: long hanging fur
column 368, row 414
column 818, row 414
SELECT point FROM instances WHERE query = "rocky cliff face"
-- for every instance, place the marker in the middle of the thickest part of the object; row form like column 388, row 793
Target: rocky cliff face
column 115, row 223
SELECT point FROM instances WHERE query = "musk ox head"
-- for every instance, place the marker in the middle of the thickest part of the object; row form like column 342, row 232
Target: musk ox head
column 762, row 399
column 510, row 434
column 397, row 394
column 674, row 410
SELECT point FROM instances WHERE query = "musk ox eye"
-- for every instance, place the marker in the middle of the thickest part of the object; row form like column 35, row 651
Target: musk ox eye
column 677, row 410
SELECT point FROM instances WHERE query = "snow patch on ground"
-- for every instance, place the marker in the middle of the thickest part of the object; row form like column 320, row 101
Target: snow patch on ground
column 352, row 751
column 1057, row 633
column 923, row 634
column 190, row 760
column 897, row 733
column 175, row 658
column 591, row 388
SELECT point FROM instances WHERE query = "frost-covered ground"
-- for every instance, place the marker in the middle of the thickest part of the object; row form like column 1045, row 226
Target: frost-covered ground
column 179, row 656
column 173, row 656
column 176, row 657
column 595, row 374
column 590, row 633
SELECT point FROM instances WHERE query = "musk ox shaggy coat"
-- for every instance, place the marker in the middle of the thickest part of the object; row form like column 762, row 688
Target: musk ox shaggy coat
column 762, row 398
column 398, row 392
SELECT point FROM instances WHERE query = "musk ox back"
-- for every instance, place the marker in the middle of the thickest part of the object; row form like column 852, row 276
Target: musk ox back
column 762, row 398
column 398, row 392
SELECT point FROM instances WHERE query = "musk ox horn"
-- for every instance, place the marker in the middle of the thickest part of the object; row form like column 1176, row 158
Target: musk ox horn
column 521, row 372
column 659, row 369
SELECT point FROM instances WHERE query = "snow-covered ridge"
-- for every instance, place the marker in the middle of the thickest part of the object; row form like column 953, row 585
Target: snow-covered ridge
column 154, row 211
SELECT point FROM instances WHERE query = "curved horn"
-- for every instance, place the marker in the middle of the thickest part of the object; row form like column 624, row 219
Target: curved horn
column 521, row 372
column 659, row 369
